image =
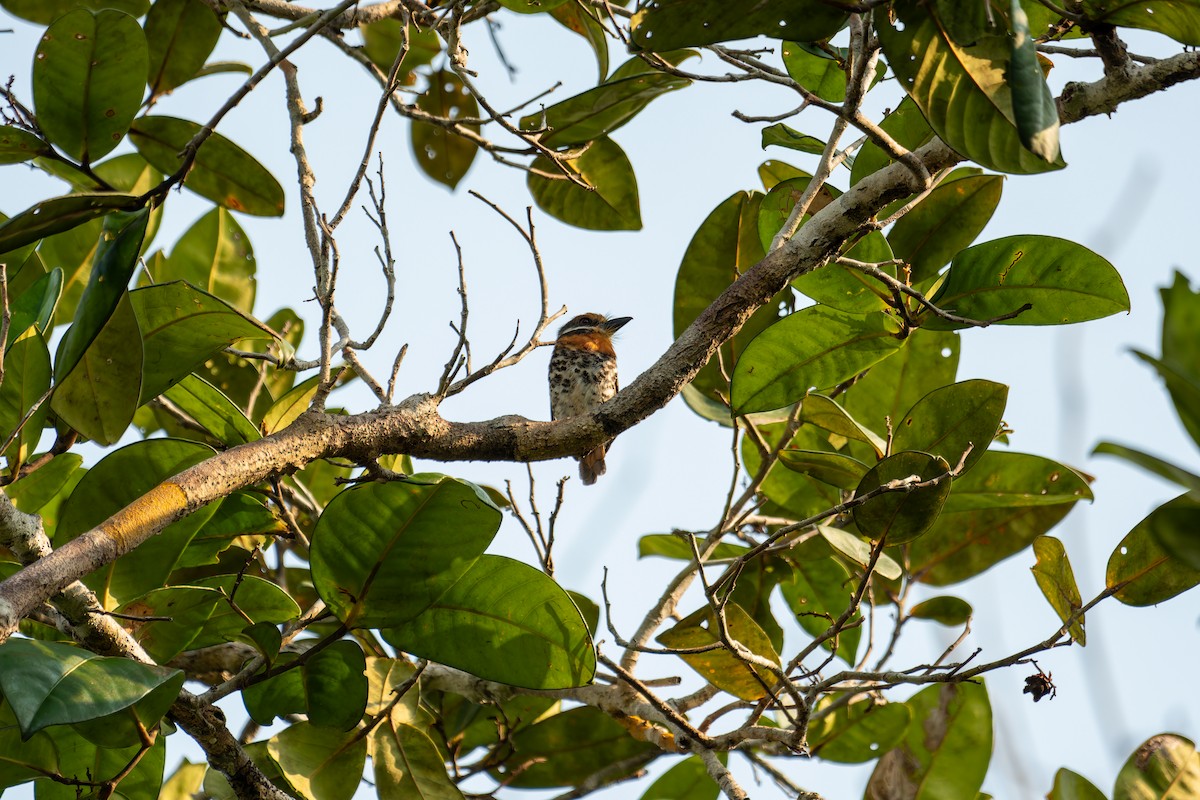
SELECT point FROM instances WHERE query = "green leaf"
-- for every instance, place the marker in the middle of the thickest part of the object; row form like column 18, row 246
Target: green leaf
column 380, row 555
column 907, row 126
column 442, row 155
column 1184, row 388
column 783, row 136
column 1070, row 785
column 819, row 68
column 948, row 421
column 724, row 246
column 773, row 172
column 603, row 109
column 851, row 290
column 1150, row 463
column 585, row 21
column 206, row 613
column 383, row 38
column 836, row 469
column 182, row 327
column 565, row 749
column 669, row 24
column 1060, row 282
column 116, row 259
column 1056, row 579
column 185, row 782
column 32, row 492
column 1144, row 564
column 87, row 81
column 947, row 610
column 43, row 12
column 947, row 754
column 121, row 477
column 60, row 214
column 668, row 545
column 687, row 780
column 84, row 761
column 222, row 172
column 321, row 763
column 288, row 408
column 790, row 494
column 815, row 348
column 612, row 205
column 409, row 765
column 241, row 515
column 929, row 359
column 99, row 396
column 961, row 90
column 212, row 410
column 26, row 380
column 902, row 516
column 945, row 222
column 1034, row 109
column 531, row 6
column 335, row 683
column 994, row 511
column 278, row 696
column 818, row 592
column 1165, row 766
column 858, row 551
column 23, row 759
column 858, row 732
column 719, row 666
column 536, row 637
column 46, row 683
column 35, row 306
column 825, row 413
column 215, row 256
column 1179, row 19
column 17, row 145
column 777, row 206
column 217, row 786
column 181, row 34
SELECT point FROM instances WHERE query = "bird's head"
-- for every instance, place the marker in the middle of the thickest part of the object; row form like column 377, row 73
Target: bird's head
column 592, row 324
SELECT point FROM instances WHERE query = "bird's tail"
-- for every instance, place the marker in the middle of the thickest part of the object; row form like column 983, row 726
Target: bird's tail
column 591, row 466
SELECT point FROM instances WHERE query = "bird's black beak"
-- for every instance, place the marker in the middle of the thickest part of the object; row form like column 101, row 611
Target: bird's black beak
column 614, row 325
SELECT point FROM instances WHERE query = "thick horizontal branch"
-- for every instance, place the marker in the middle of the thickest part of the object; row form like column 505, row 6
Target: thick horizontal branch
column 415, row 427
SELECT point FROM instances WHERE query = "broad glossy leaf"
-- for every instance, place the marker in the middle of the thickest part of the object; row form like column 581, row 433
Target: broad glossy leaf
column 668, row 545
column 1179, row 19
column 215, row 256
column 754, row 590
column 902, row 516
column 948, row 750
column 278, row 696
column 603, row 109
column 777, row 206
column 216, row 786
column 818, row 592
column 46, row 683
column 791, row 494
column 222, row 172
column 947, row 610
column 118, row 479
column 23, row 759
column 1056, row 579
column 687, row 780
column 383, row 38
column 321, row 763
column 720, row 667
column 87, row 81
column 288, row 408
column 60, row 214
column 82, row 760
column 116, row 259
column 43, row 12
column 72, row 252
column 1150, row 463
column 773, row 172
column 35, row 306
column 994, row 511
column 613, row 203
column 821, row 68
column 409, row 765
column 585, row 21
column 335, row 682
column 215, row 412
column 825, row 413
column 181, row 34
column 32, row 492
column 1181, row 317
column 907, row 126
column 17, row 145
column 724, row 246
column 669, row 24
column 1034, row 110
column 185, row 782
column 836, row 469
column 945, row 222
column 241, row 518
column 950, row 420
column 536, row 636
column 1061, row 282
column 1144, row 564
column 859, row 732
column 1166, row 766
column 814, row 348
column 380, row 555
column 442, row 155
column 1070, row 785
column 182, row 327
column 851, row 290
column 962, row 91
column 782, row 135
column 859, row 551
column 99, row 396
column 26, row 381
column 206, row 613
column 564, row 749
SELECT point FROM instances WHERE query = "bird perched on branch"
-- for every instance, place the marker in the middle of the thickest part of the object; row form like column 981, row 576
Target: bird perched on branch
column 583, row 374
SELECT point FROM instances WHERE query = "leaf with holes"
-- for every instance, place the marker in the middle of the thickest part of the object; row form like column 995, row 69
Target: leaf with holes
column 441, row 154
column 1056, row 579
column 1144, row 566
